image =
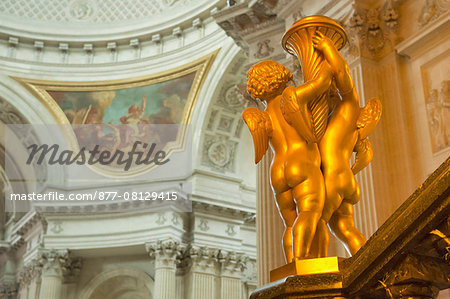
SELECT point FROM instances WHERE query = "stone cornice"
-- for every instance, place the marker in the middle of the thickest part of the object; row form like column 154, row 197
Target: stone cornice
column 221, row 210
column 79, row 31
column 27, row 222
column 433, row 31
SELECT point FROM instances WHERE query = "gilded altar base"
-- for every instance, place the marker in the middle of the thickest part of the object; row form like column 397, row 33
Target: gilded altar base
column 407, row 257
column 304, row 267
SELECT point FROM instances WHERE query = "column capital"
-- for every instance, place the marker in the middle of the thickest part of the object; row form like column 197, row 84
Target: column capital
column 231, row 263
column 58, row 262
column 203, row 259
column 8, row 290
column 30, row 272
column 167, row 253
column 376, row 28
column 53, row 261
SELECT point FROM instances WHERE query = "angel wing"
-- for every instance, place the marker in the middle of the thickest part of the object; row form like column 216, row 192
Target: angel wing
column 364, row 155
column 260, row 126
column 298, row 116
column 369, row 117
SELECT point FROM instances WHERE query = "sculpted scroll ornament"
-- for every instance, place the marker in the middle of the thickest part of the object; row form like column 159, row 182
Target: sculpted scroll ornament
column 312, row 138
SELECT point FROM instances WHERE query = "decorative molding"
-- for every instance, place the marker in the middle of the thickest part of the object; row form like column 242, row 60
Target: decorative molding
column 54, row 262
column 249, row 271
column 30, row 272
column 202, row 259
column 161, row 219
column 51, row 262
column 376, row 28
column 167, row 253
column 219, row 152
column 203, row 225
column 69, row 47
column 231, row 263
column 211, row 209
column 241, row 20
column 438, row 116
column 431, row 10
column 215, row 261
column 8, row 290
column 230, row 230
column 264, row 49
column 231, row 98
column 9, row 114
column 30, row 220
column 57, row 227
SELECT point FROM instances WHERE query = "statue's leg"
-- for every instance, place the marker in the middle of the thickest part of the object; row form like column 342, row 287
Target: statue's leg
column 288, row 212
column 309, row 196
column 332, row 202
column 319, row 246
column 343, row 226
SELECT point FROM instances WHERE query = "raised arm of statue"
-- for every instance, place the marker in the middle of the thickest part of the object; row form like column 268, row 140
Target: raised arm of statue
column 296, row 178
column 345, row 133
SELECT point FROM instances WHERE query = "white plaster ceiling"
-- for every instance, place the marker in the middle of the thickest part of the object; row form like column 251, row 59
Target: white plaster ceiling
column 93, row 18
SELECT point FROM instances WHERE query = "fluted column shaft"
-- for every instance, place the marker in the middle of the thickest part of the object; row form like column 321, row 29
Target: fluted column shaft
column 202, row 273
column 269, row 225
column 52, row 274
column 165, row 254
column 165, row 283
column 51, row 287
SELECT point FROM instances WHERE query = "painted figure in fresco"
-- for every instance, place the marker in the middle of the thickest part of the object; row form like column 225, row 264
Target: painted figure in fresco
column 135, row 114
column 347, row 130
column 296, row 177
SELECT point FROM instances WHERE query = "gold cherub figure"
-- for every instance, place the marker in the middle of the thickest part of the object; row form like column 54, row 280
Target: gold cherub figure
column 347, row 130
column 296, row 177
column 312, row 138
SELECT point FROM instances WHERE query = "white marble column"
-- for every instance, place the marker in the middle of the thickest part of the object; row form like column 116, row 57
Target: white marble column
column 269, row 225
column 203, row 273
column 52, row 273
column 166, row 254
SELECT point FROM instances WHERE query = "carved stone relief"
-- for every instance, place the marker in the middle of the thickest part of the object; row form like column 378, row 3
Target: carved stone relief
column 376, row 28
column 161, row 219
column 11, row 116
column 203, row 225
column 230, row 230
column 224, row 121
column 249, row 272
column 432, row 10
column 219, row 152
column 438, row 115
column 57, row 227
column 264, row 49
column 232, row 98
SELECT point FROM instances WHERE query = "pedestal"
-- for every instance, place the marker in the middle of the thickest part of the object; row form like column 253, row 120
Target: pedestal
column 407, row 257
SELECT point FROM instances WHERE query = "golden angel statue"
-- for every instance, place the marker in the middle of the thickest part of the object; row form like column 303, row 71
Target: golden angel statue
column 312, row 138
